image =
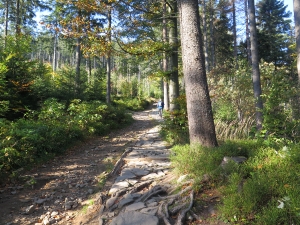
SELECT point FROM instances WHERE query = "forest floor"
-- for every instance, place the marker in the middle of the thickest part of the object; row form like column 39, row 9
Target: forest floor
column 68, row 188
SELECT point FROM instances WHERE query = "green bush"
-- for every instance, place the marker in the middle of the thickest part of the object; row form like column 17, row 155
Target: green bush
column 26, row 142
column 175, row 126
column 132, row 104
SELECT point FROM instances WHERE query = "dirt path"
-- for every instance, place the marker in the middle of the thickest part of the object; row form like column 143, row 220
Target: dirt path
column 68, row 187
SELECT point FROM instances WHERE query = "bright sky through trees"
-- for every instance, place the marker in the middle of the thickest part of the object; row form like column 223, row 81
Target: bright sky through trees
column 290, row 4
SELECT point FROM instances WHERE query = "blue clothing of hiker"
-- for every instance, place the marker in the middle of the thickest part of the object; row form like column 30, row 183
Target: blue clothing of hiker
column 160, row 107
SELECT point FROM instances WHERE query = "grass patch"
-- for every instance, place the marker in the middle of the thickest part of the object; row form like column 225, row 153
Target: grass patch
column 101, row 180
column 263, row 190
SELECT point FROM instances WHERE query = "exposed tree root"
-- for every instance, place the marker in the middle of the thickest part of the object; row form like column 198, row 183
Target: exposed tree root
column 174, row 196
column 182, row 214
column 194, row 215
column 164, row 215
column 119, row 163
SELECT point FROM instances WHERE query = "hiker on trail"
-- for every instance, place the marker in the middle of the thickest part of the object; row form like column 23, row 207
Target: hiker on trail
column 160, row 107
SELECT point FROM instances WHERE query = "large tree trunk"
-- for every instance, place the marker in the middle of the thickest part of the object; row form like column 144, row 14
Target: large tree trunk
column 297, row 34
column 173, row 41
column 255, row 66
column 200, row 116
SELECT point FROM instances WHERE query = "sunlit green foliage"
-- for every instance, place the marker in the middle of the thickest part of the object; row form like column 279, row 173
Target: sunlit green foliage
column 262, row 190
column 133, row 104
column 17, row 74
column 26, row 142
column 175, row 127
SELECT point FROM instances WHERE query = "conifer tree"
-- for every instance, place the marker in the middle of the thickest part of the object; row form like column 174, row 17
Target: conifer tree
column 273, row 25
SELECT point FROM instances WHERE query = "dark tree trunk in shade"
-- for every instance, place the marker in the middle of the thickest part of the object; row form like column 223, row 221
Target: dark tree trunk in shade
column 255, row 66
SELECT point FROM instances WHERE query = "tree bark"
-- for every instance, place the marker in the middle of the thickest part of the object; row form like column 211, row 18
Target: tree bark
column 200, row 116
column 108, row 63
column 77, row 61
column 54, row 63
column 234, row 34
column 6, row 22
column 212, row 38
column 255, row 66
column 18, row 17
column 205, row 47
column 165, row 61
column 247, row 33
column 297, row 34
column 173, row 41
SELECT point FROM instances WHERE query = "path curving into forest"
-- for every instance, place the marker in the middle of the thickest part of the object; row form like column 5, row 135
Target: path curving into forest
column 77, row 188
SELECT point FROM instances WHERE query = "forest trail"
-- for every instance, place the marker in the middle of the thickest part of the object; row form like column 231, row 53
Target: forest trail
column 124, row 178
column 66, row 190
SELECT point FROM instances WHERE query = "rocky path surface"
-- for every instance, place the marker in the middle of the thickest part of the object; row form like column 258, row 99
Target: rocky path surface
column 100, row 183
column 142, row 192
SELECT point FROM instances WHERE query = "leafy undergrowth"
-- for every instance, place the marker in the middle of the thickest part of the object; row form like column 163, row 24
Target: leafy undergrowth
column 265, row 189
column 58, row 125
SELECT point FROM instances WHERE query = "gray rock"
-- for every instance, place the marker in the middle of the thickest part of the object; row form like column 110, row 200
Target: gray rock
column 125, row 175
column 152, row 204
column 118, row 186
column 127, row 199
column 135, row 206
column 68, row 205
column 139, row 172
column 236, row 159
column 134, row 218
column 29, row 209
column 110, row 202
column 150, row 176
column 149, row 210
column 40, row 201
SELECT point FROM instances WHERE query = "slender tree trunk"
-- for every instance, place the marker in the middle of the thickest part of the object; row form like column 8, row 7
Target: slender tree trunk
column 212, row 38
column 173, row 41
column 165, row 60
column 6, row 22
column 255, row 66
column 89, row 69
column 108, row 63
column 205, row 47
column 18, row 17
column 247, row 33
column 54, row 65
column 77, row 63
column 200, row 117
column 297, row 34
column 234, row 34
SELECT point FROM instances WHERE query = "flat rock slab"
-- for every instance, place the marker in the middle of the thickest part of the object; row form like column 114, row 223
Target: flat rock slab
column 125, row 175
column 118, row 186
column 135, row 206
column 136, row 171
column 134, row 218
